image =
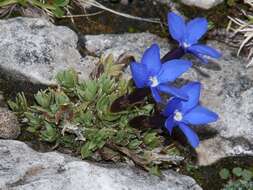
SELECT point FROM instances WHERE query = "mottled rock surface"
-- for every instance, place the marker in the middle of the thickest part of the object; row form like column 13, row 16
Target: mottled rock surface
column 129, row 44
column 33, row 49
column 227, row 89
column 22, row 168
column 204, row 4
column 9, row 125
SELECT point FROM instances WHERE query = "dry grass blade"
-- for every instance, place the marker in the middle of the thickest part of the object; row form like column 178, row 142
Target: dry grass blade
column 99, row 5
column 250, row 2
column 249, row 36
column 244, row 27
column 130, row 154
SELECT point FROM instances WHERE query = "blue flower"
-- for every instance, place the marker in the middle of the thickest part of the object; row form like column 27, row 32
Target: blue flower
column 188, row 34
column 184, row 113
column 151, row 73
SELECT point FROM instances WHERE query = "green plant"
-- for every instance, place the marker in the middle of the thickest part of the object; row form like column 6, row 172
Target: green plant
column 20, row 104
column 237, row 178
column 52, row 7
column 232, row 2
column 77, row 115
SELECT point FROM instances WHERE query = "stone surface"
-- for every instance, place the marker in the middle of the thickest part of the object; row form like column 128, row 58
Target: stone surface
column 9, row 125
column 227, row 89
column 33, row 49
column 204, row 4
column 21, row 168
column 129, row 44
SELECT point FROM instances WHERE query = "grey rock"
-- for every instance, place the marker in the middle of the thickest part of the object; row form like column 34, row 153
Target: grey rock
column 123, row 45
column 21, row 168
column 204, row 4
column 119, row 44
column 34, row 50
column 9, row 125
column 227, row 88
column 228, row 91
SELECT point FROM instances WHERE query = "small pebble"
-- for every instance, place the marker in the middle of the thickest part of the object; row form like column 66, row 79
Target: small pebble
column 9, row 125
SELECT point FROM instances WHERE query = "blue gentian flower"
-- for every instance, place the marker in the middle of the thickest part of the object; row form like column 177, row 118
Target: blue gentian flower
column 184, row 113
column 151, row 73
column 188, row 34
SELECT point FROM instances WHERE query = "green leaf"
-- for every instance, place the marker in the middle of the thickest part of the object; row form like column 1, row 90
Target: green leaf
column 121, row 138
column 231, row 2
column 154, row 170
column 31, row 129
column 44, row 98
column 58, row 12
column 151, row 139
column 224, row 174
column 103, row 105
column 4, row 3
column 237, row 171
column 85, row 118
column 96, row 140
column 50, row 133
column 20, row 104
column 61, row 99
column 106, row 84
column 110, row 67
column 34, row 120
column 87, row 90
column 68, row 78
column 86, row 150
column 61, row 3
column 22, row 2
column 247, row 174
column 134, row 144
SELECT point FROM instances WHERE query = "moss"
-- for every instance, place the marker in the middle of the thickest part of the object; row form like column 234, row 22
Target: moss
column 208, row 176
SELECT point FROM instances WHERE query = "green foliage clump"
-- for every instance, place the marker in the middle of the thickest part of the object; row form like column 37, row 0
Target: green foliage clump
column 77, row 115
column 238, row 178
column 232, row 2
column 52, row 7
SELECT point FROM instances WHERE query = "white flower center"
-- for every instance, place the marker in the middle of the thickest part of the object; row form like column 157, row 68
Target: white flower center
column 206, row 56
column 178, row 116
column 186, row 45
column 154, row 81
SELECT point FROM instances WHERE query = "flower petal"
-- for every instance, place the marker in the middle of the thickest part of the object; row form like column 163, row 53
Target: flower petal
column 204, row 50
column 151, row 59
column 172, row 105
column 139, row 74
column 195, row 29
column 191, row 136
column 172, row 69
column 170, row 124
column 156, row 95
column 168, row 89
column 199, row 56
column 176, row 26
column 200, row 115
column 192, row 89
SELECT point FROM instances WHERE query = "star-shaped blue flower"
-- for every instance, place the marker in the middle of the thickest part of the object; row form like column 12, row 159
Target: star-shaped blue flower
column 188, row 34
column 184, row 113
column 151, row 73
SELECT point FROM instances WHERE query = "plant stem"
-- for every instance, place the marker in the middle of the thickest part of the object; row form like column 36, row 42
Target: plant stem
column 130, row 154
column 173, row 54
